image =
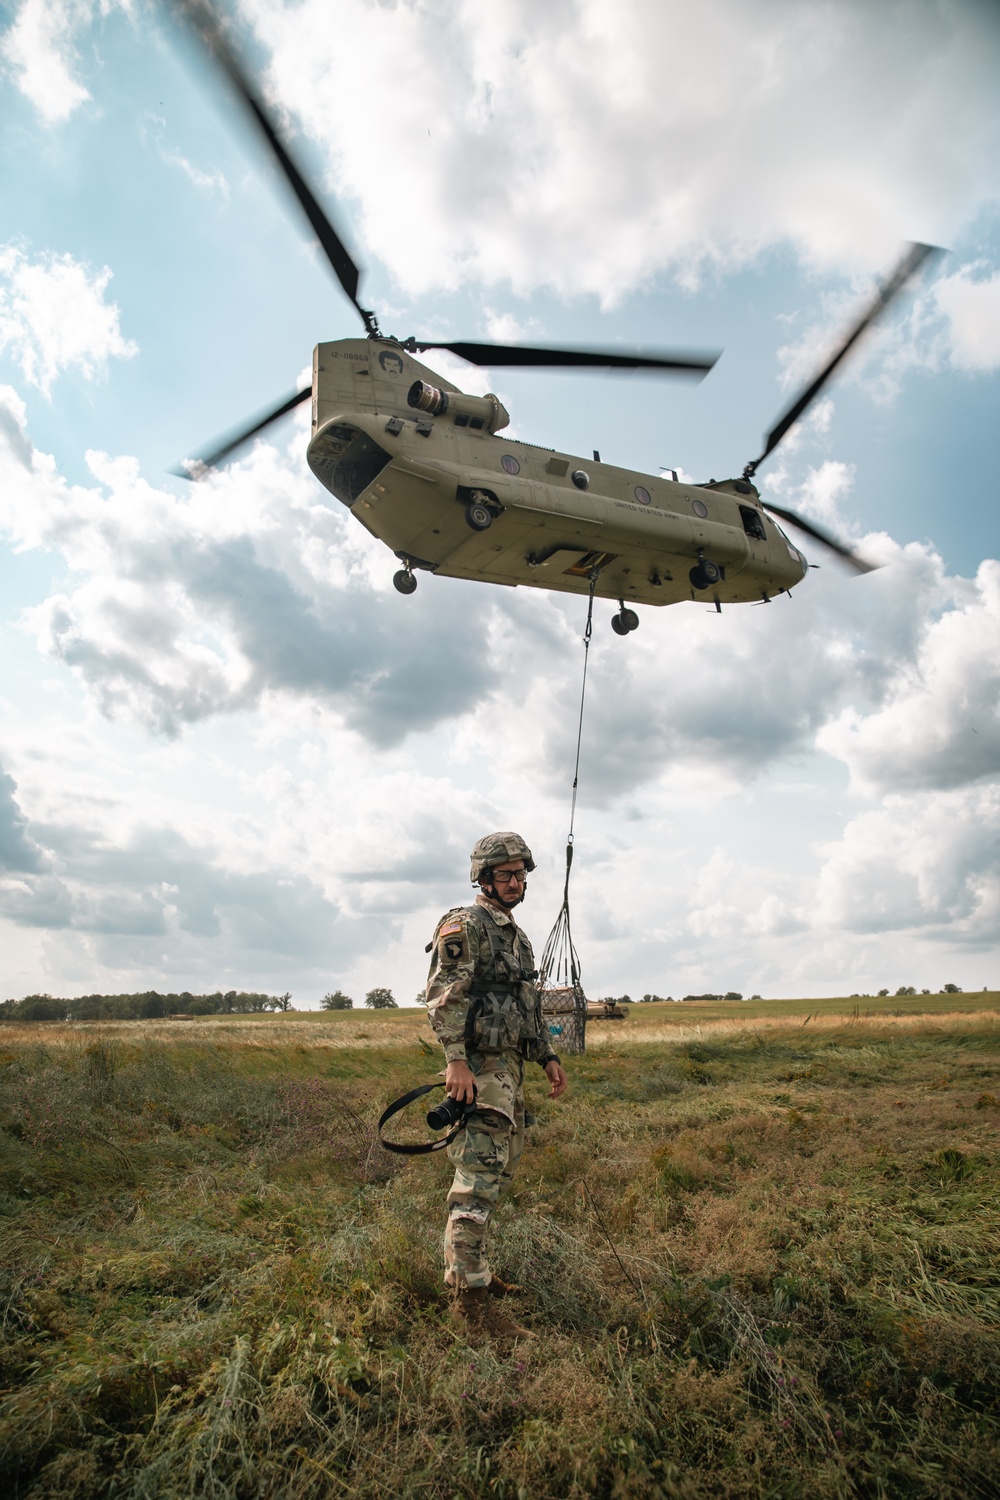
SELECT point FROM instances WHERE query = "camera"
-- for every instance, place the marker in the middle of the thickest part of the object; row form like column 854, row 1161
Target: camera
column 449, row 1112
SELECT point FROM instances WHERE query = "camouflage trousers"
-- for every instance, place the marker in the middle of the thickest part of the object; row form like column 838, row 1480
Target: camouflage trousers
column 485, row 1156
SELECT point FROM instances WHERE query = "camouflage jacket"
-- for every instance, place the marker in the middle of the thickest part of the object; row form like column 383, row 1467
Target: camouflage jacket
column 476, row 998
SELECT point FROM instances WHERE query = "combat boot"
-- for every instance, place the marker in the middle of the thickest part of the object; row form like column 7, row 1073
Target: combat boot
column 500, row 1288
column 468, row 1313
column 477, row 1317
column 502, row 1328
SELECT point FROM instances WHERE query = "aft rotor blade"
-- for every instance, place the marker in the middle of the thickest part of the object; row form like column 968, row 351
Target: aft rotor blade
column 206, row 23
column 211, row 460
column 823, row 537
column 908, row 267
column 527, row 356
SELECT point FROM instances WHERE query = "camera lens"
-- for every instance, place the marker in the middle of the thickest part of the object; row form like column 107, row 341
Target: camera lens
column 447, row 1113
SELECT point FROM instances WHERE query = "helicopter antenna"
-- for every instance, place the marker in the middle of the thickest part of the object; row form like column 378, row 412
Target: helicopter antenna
column 908, row 267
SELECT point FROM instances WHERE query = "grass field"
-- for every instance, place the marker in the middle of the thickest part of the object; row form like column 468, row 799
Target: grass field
column 759, row 1247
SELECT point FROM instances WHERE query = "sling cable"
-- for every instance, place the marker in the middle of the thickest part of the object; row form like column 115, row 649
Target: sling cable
column 564, row 1003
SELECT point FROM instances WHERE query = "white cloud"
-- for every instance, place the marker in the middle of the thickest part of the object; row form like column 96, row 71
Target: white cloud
column 39, row 46
column 970, row 300
column 819, row 495
column 54, row 317
column 251, row 586
column 930, row 863
column 514, row 135
column 247, row 586
column 939, row 722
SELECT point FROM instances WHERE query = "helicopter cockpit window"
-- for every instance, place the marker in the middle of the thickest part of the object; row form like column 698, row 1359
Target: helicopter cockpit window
column 753, row 523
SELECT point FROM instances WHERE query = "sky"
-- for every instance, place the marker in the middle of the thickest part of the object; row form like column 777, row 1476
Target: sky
column 232, row 756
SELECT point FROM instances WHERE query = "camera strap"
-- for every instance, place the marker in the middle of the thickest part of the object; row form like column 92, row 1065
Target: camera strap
column 424, row 1146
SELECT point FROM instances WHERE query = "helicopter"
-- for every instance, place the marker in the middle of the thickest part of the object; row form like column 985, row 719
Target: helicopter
column 423, row 466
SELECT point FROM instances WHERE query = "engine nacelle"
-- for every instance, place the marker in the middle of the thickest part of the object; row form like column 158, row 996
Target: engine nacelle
column 478, row 412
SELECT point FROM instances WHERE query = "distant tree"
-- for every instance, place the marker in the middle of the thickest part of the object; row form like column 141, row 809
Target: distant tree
column 734, row 995
column 42, row 1008
column 906, row 989
column 883, row 992
column 925, row 992
column 150, row 1007
column 337, row 1001
column 952, row 989
column 280, row 1002
column 754, row 997
column 380, row 999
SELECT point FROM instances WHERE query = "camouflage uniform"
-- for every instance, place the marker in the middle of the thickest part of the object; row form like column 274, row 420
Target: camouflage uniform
column 484, row 1013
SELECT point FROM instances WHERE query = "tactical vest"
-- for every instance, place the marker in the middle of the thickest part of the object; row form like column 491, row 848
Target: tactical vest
column 505, row 1011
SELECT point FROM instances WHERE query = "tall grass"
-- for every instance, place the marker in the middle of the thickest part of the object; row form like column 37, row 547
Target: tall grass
column 758, row 1262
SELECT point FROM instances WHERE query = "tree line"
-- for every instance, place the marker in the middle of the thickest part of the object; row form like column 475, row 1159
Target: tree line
column 376, row 999
column 145, row 1006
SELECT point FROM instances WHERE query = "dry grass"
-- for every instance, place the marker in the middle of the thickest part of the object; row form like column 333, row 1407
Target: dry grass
column 328, row 1029
column 761, row 1261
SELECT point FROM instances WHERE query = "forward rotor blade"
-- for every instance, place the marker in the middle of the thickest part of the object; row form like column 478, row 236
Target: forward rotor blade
column 213, row 459
column 206, row 23
column 823, row 537
column 513, row 356
column 908, row 267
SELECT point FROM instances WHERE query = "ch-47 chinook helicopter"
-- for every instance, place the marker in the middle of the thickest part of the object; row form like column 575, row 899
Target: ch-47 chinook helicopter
column 422, row 466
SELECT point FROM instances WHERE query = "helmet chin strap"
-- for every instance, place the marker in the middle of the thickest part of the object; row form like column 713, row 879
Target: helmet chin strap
column 494, row 895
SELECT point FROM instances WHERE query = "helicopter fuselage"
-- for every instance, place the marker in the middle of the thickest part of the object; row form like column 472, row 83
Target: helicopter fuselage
column 449, row 495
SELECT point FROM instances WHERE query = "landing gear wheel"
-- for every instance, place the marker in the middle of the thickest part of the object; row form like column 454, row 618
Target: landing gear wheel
column 478, row 516
column 625, row 620
column 705, row 573
column 404, row 581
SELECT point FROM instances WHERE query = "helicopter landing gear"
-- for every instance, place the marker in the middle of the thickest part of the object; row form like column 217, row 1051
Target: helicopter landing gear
column 705, row 573
column 404, row 582
column 625, row 620
column 478, row 514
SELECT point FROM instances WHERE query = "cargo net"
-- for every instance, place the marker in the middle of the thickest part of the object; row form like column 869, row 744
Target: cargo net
column 564, row 1004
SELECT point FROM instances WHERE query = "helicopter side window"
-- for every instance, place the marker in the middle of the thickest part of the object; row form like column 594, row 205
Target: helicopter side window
column 753, row 523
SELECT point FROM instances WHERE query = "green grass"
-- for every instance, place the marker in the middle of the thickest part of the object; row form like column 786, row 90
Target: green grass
column 760, row 1261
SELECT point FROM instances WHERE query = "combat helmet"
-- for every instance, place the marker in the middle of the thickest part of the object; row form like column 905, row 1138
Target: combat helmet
column 494, row 849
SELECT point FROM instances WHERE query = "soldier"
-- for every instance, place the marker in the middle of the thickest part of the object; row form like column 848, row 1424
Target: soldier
column 486, row 1012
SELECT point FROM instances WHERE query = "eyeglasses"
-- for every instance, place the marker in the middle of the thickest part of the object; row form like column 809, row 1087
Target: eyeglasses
column 508, row 876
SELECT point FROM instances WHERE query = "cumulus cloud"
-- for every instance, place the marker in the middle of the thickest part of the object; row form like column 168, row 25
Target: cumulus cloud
column 939, row 723
column 54, row 316
column 970, row 300
column 153, row 885
column 931, row 863
column 39, row 47
column 251, row 587
column 525, row 130
column 17, row 850
column 247, row 585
